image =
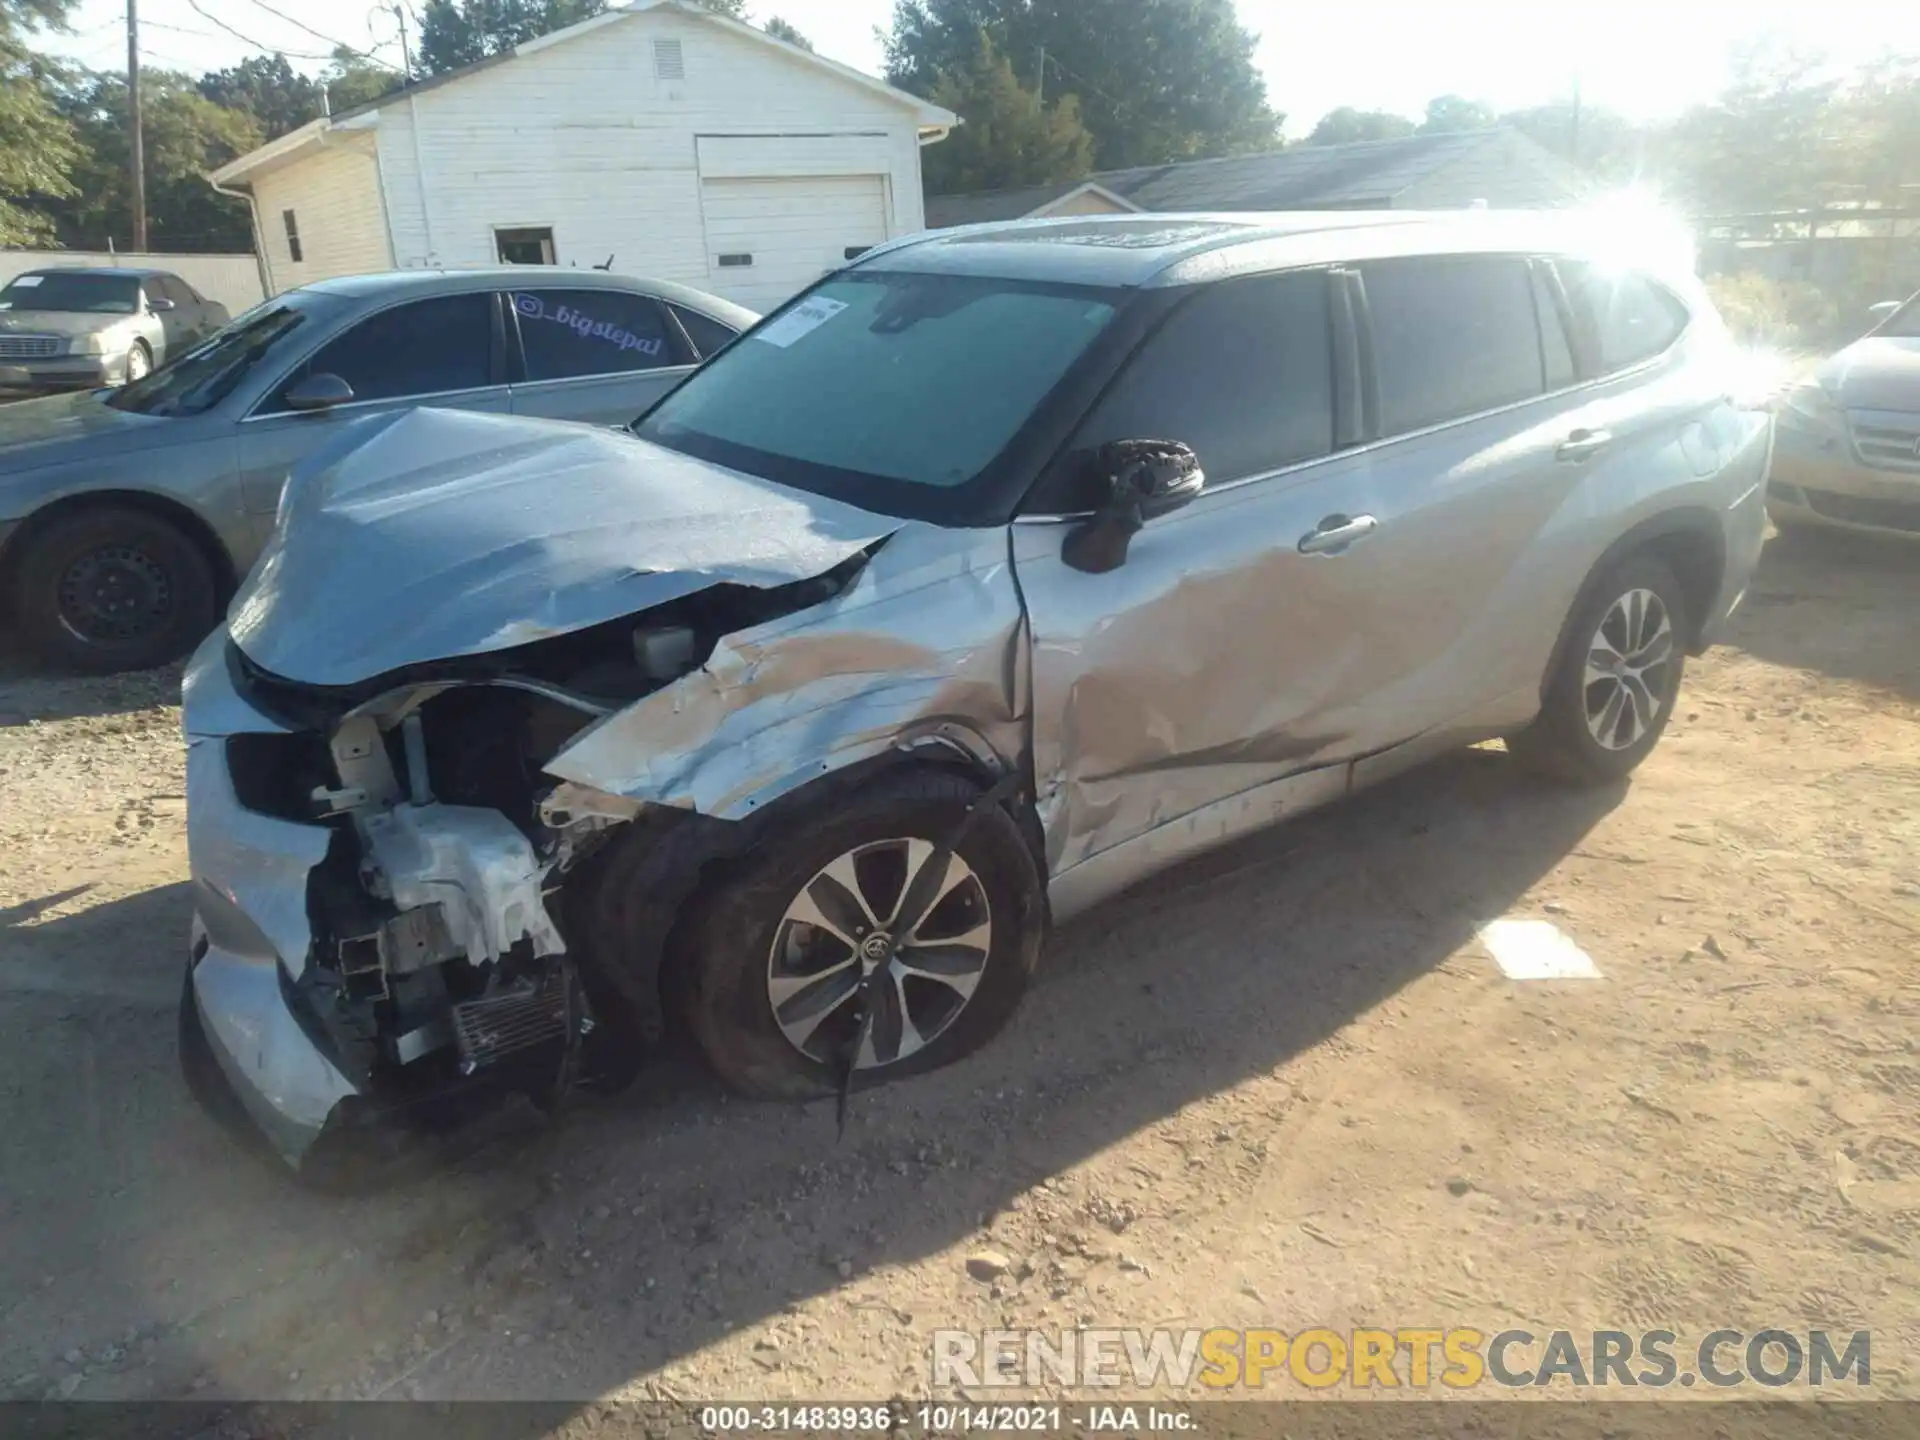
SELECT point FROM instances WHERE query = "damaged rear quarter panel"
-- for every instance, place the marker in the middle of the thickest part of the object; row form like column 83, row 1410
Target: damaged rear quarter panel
column 928, row 642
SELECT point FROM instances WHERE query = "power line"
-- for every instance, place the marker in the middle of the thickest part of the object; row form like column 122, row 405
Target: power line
column 300, row 25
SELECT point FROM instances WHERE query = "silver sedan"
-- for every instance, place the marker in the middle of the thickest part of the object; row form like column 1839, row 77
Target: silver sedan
column 80, row 327
column 128, row 515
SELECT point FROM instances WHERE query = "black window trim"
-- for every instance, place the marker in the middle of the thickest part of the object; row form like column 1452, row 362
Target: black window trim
column 496, row 363
column 516, row 350
column 1583, row 338
column 1341, row 335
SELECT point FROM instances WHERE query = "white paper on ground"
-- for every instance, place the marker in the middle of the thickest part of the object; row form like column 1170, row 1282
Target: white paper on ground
column 1536, row 950
column 801, row 321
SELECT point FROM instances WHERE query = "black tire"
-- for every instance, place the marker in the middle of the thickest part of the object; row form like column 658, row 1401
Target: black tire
column 111, row 588
column 1562, row 742
column 726, row 999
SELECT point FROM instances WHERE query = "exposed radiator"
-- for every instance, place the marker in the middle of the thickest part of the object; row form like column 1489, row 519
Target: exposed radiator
column 532, row 1014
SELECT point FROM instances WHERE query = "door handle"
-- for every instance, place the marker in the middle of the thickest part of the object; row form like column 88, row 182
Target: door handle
column 1583, row 445
column 1336, row 533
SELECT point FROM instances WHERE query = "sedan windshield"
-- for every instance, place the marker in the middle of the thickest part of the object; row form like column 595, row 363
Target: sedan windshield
column 208, row 373
column 891, row 391
column 77, row 294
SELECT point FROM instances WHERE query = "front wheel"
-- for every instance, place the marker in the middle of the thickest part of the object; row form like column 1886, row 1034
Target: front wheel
column 1613, row 692
column 139, row 362
column 112, row 588
column 796, row 965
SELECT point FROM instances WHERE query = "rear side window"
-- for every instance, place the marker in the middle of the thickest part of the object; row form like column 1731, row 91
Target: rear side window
column 1242, row 373
column 708, row 335
column 1452, row 337
column 567, row 334
column 1631, row 318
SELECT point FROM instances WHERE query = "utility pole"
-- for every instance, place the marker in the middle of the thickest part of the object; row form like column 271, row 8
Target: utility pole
column 1573, row 142
column 136, row 143
column 1041, row 88
column 406, row 51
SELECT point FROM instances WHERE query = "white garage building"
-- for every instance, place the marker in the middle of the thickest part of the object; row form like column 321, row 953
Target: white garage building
column 655, row 139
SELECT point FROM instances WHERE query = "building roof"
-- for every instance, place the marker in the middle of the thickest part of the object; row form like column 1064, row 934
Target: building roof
column 934, row 121
column 1368, row 173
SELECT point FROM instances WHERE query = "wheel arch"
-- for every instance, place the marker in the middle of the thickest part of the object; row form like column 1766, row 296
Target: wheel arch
column 182, row 516
column 1689, row 541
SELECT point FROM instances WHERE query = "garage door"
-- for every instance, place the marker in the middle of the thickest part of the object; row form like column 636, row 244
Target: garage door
column 767, row 239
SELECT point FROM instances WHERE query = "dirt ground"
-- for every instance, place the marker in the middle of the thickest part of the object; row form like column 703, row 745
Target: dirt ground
column 1283, row 1086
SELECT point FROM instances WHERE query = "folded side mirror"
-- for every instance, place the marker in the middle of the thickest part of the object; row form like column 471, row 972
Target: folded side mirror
column 1138, row 480
column 316, row 393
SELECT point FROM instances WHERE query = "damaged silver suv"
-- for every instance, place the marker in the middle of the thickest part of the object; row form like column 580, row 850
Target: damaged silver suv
column 998, row 571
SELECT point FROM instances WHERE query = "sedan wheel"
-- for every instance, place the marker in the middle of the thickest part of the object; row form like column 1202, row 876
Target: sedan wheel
column 139, row 363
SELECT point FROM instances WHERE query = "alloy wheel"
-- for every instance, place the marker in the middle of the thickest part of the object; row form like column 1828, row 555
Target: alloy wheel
column 838, row 933
column 1626, row 674
column 138, row 365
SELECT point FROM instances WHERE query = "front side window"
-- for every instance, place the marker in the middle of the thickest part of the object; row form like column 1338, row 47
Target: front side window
column 1630, row 318
column 1452, row 336
column 565, row 334
column 1242, row 373
column 885, row 389
column 73, row 294
column 427, row 347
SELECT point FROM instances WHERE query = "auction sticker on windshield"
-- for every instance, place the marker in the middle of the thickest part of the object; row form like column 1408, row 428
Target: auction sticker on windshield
column 802, row 320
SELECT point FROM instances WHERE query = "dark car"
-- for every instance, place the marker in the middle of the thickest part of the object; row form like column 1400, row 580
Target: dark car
column 81, row 327
column 127, row 515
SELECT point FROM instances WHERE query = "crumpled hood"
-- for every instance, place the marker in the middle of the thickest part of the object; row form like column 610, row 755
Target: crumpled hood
column 430, row 534
column 1878, row 373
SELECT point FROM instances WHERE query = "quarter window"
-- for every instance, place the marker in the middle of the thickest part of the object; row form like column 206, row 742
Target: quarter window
column 1242, row 373
column 1631, row 318
column 708, row 335
column 1452, row 337
column 428, row 347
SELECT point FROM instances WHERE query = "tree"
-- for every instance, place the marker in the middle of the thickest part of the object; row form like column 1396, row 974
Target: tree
column 733, row 10
column 1174, row 80
column 1448, row 113
column 1010, row 138
column 266, row 87
column 186, row 136
column 37, row 147
column 1347, row 125
column 1773, row 141
column 781, row 30
column 1601, row 142
column 353, row 80
column 459, row 32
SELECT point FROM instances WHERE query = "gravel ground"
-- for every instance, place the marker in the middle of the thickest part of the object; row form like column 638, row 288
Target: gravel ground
column 1282, row 1086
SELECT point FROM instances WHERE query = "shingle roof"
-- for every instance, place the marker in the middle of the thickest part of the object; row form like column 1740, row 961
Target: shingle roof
column 1304, row 177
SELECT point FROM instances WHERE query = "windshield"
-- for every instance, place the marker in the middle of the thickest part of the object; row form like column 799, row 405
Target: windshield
column 1902, row 324
column 208, row 373
column 887, row 390
column 79, row 294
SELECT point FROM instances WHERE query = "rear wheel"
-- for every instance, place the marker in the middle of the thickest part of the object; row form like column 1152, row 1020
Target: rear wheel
column 1610, row 698
column 790, row 953
column 112, row 588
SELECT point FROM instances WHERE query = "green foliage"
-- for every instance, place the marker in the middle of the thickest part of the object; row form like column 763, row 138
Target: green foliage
column 459, row 32
column 781, row 30
column 1447, row 114
column 1605, row 145
column 186, row 135
column 1009, row 138
column 266, row 87
column 1170, row 80
column 37, row 147
column 1785, row 315
column 1347, row 125
column 352, row 80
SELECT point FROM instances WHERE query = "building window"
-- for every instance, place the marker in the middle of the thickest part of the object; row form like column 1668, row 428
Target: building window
column 669, row 60
column 526, row 246
column 293, row 236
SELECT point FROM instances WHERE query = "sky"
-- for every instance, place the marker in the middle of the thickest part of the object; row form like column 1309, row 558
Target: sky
column 1647, row 58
